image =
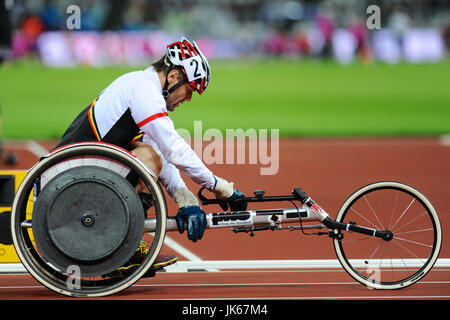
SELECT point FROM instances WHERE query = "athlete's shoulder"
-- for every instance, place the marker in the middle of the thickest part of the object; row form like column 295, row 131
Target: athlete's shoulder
column 149, row 85
column 145, row 92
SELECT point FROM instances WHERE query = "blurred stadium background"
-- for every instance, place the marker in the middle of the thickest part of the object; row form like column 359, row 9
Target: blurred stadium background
column 411, row 30
column 316, row 62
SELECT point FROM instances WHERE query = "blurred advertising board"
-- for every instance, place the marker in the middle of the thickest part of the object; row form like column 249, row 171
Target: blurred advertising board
column 63, row 49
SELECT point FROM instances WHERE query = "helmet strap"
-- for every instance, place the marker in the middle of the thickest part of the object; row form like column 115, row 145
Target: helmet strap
column 165, row 91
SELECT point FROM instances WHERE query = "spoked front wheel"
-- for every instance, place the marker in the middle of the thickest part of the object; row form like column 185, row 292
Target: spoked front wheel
column 404, row 258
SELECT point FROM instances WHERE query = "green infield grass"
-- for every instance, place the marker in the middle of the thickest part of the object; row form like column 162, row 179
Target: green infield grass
column 297, row 97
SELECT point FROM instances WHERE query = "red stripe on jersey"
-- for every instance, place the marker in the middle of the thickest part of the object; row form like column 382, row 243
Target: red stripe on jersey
column 153, row 117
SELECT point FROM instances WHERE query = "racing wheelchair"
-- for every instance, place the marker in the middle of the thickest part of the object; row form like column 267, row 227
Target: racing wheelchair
column 76, row 218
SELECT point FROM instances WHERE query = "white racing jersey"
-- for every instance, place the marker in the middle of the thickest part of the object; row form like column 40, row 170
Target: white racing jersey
column 170, row 175
column 133, row 104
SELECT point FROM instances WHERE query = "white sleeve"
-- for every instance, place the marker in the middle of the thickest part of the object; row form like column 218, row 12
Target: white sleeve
column 148, row 109
column 170, row 176
column 177, row 152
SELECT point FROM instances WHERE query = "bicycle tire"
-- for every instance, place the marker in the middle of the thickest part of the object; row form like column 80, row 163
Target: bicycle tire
column 389, row 272
column 57, row 280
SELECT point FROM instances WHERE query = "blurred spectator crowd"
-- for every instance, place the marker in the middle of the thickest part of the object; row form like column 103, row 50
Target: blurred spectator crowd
column 136, row 31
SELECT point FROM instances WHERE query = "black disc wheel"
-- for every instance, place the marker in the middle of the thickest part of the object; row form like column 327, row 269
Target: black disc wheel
column 400, row 260
column 78, row 217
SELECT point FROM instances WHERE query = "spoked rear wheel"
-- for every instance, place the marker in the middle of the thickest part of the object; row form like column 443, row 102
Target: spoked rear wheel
column 77, row 218
column 398, row 262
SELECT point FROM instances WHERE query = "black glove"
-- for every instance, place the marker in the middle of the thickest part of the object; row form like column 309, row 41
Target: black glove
column 235, row 202
column 223, row 189
column 195, row 219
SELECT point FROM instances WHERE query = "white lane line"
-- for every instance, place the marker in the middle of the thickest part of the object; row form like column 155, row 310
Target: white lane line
column 196, row 263
column 185, row 266
column 35, row 148
column 445, row 140
column 263, row 284
column 184, row 252
column 180, row 249
column 30, row 145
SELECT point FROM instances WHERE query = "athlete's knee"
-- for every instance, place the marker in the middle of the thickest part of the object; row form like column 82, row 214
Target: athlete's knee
column 150, row 157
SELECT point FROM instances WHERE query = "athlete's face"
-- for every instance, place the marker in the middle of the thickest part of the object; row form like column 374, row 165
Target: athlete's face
column 181, row 94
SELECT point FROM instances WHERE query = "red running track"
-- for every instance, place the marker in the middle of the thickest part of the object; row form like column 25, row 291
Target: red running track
column 329, row 170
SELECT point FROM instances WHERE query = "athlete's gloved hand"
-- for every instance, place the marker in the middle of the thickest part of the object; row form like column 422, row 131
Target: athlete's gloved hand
column 190, row 213
column 225, row 190
column 236, row 203
column 195, row 220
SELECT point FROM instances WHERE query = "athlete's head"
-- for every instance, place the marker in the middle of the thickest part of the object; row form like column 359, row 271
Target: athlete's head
column 184, row 62
column 189, row 58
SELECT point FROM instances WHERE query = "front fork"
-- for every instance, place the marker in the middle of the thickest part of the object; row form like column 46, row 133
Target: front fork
column 335, row 227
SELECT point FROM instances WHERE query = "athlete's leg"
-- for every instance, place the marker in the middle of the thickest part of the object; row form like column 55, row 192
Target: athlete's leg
column 151, row 159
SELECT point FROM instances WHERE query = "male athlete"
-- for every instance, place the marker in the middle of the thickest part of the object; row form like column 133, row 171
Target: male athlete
column 136, row 104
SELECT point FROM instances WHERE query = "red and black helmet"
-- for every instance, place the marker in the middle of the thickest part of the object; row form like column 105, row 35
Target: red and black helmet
column 188, row 56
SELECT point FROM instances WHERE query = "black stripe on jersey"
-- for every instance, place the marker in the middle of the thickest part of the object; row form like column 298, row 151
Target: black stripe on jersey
column 79, row 130
column 123, row 131
column 121, row 134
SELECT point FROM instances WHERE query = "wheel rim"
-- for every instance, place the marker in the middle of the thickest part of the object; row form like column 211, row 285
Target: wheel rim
column 415, row 245
column 62, row 281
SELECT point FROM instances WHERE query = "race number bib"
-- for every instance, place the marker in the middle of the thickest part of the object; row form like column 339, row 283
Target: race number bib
column 194, row 68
